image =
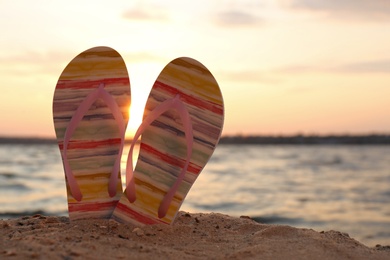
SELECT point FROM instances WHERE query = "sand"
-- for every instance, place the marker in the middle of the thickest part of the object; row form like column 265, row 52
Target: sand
column 192, row 236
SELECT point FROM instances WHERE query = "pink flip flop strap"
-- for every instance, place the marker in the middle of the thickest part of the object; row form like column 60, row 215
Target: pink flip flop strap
column 83, row 108
column 174, row 103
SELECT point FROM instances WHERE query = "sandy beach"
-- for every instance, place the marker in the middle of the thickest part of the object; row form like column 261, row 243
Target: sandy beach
column 192, row 236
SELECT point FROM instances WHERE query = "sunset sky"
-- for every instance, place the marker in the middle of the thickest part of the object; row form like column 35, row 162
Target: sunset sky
column 284, row 66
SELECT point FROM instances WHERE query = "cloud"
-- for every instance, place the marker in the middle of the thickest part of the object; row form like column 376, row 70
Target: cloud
column 247, row 76
column 380, row 66
column 32, row 62
column 237, row 18
column 297, row 68
column 377, row 66
column 374, row 10
column 136, row 57
column 141, row 13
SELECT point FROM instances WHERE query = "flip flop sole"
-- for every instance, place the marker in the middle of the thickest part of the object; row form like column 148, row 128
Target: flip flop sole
column 163, row 147
column 96, row 142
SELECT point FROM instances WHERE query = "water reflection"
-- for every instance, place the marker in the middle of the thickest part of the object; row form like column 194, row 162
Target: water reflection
column 345, row 188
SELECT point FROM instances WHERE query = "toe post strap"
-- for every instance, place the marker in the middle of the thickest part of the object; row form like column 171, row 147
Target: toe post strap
column 178, row 105
column 83, row 108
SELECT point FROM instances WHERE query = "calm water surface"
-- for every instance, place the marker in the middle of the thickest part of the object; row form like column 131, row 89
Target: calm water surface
column 345, row 188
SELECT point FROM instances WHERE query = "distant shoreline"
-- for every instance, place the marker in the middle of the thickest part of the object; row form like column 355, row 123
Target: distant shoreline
column 27, row 140
column 374, row 139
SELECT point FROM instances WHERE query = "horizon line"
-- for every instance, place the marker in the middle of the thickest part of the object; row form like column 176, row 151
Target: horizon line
column 244, row 138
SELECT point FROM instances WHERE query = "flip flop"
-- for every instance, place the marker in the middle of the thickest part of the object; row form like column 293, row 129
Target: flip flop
column 182, row 124
column 90, row 111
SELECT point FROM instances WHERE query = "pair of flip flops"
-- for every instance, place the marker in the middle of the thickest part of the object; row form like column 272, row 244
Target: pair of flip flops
column 181, row 127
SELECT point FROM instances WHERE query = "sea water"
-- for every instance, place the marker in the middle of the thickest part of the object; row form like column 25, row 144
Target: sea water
column 322, row 187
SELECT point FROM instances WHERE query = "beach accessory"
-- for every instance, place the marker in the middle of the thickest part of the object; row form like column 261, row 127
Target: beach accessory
column 90, row 111
column 182, row 124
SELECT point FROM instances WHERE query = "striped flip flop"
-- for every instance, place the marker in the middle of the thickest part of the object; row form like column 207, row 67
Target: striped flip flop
column 90, row 112
column 182, row 124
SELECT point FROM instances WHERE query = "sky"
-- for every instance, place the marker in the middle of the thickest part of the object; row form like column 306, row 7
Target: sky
column 284, row 66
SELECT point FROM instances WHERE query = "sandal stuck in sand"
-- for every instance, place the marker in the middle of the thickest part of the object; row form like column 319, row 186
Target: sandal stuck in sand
column 181, row 127
column 90, row 112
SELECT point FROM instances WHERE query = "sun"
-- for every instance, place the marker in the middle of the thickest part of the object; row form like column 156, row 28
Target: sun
column 143, row 77
column 136, row 113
